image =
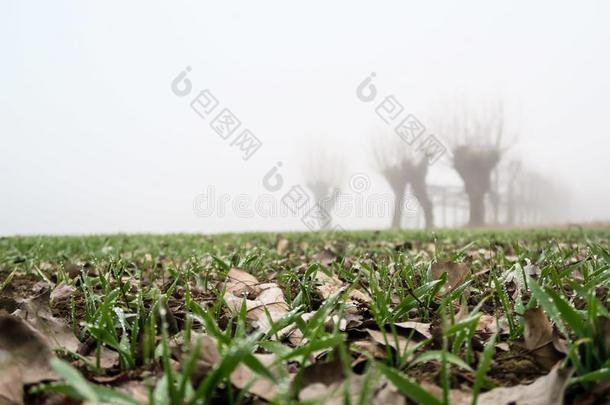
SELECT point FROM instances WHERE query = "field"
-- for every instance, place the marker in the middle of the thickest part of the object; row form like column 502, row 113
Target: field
column 357, row 317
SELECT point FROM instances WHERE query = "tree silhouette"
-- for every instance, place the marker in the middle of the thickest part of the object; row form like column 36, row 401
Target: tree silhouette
column 324, row 173
column 477, row 151
column 401, row 166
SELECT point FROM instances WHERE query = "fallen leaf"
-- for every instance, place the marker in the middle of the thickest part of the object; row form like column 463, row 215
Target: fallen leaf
column 546, row 390
column 323, row 372
column 137, row 390
column 389, row 395
column 62, row 292
column 26, row 349
column 369, row 347
column 109, row 359
column 538, row 329
column 420, row 327
column 456, row 274
column 333, row 392
column 241, row 283
column 326, row 257
column 292, row 333
column 505, row 347
column 56, row 331
column 272, row 300
column 11, row 384
column 487, row 324
column 207, row 357
column 531, row 269
column 282, row 246
column 538, row 335
column 242, row 377
column 262, row 387
column 321, row 380
column 72, row 270
column 328, row 285
column 399, row 343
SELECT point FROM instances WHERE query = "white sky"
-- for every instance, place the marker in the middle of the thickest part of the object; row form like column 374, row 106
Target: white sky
column 94, row 140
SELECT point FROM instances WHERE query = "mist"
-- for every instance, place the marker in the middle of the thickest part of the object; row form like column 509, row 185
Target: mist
column 192, row 117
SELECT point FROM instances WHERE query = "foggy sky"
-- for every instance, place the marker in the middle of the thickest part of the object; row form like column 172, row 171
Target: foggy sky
column 94, row 140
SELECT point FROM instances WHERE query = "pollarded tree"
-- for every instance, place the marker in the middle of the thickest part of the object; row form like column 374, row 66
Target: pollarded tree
column 324, row 173
column 401, row 166
column 476, row 153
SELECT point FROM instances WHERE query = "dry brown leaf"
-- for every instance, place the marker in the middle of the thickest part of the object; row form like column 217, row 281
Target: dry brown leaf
column 207, row 357
column 538, row 335
column 359, row 296
column 240, row 283
column 420, row 327
column 333, row 393
column 538, row 329
column 487, row 324
column 282, row 246
column 389, row 395
column 293, row 333
column 400, row 343
column 11, row 384
column 271, row 299
column 327, row 285
column 560, row 344
column 61, row 292
column 371, row 347
column 330, row 285
column 531, row 269
column 72, row 270
column 242, row 377
column 321, row 380
column 137, row 390
column 505, row 347
column 456, row 274
column 25, row 348
column 263, row 388
column 56, row 331
column 108, row 358
column 326, row 257
column 546, row 390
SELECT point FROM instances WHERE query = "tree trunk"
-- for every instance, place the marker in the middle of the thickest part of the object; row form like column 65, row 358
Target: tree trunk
column 399, row 194
column 477, row 209
column 421, row 193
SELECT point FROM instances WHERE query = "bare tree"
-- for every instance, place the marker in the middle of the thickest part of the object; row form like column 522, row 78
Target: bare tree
column 538, row 198
column 324, row 173
column 401, row 166
column 476, row 153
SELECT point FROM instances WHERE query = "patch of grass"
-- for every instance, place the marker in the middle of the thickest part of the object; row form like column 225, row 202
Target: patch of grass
column 148, row 299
